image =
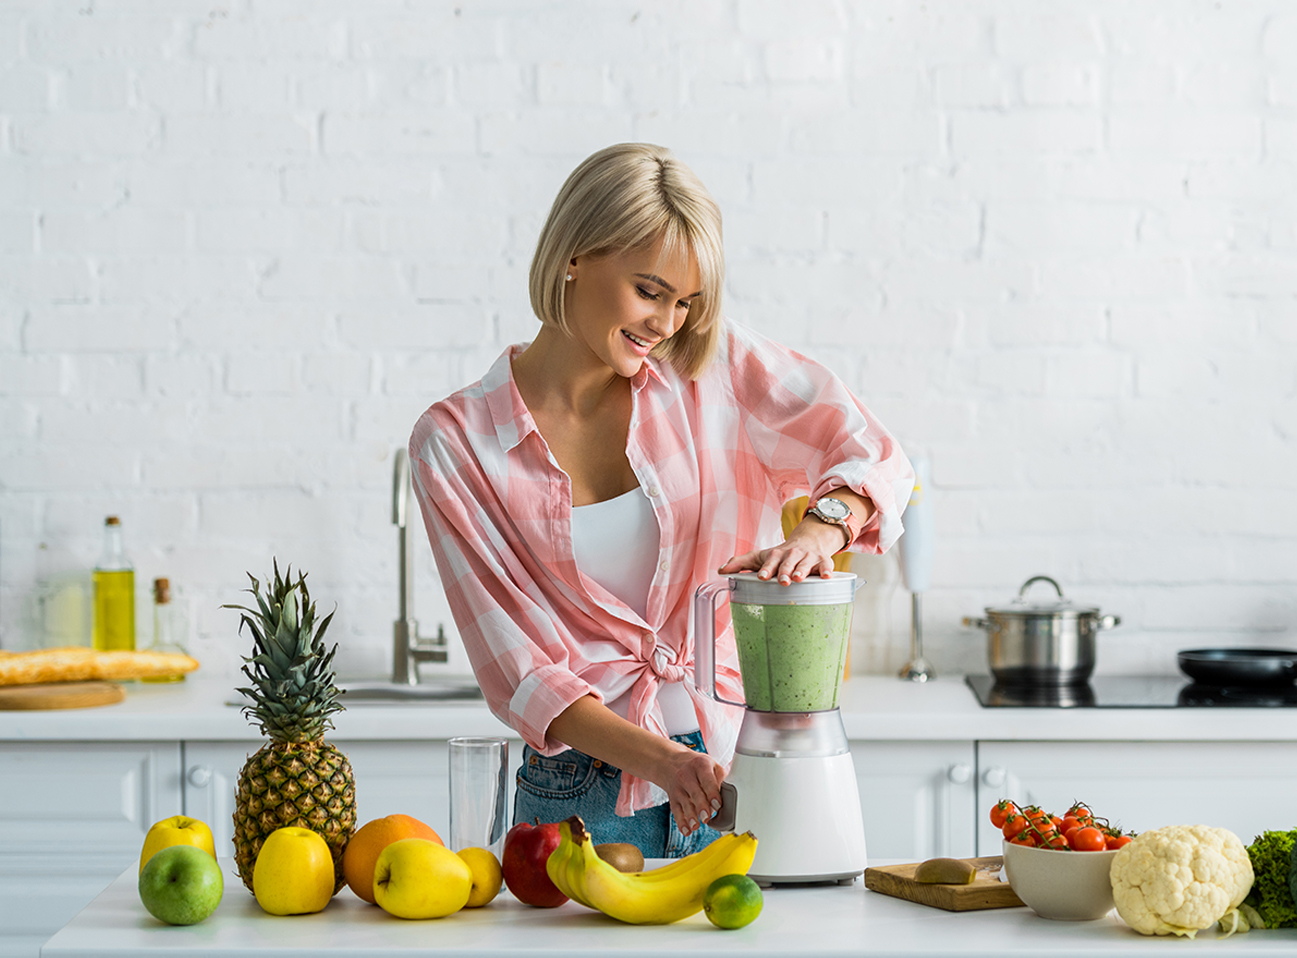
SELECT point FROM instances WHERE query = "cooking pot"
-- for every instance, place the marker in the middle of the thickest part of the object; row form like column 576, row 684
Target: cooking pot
column 1042, row 642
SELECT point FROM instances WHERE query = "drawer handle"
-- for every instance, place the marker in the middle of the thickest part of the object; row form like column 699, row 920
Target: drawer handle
column 994, row 776
column 959, row 773
column 199, row 776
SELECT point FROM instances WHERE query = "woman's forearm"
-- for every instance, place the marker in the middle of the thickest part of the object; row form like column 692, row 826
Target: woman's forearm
column 691, row 779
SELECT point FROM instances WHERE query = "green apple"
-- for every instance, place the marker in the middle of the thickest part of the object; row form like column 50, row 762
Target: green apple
column 181, row 885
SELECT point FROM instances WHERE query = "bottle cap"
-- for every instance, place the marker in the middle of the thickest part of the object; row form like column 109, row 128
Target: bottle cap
column 112, row 521
column 161, row 591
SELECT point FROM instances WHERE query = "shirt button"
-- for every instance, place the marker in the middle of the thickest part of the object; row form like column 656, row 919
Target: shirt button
column 665, row 566
column 654, row 492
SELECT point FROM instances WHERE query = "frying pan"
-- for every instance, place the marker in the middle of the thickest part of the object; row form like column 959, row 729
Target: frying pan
column 1239, row 666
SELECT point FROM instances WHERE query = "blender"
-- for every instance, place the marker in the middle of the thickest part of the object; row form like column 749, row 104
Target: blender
column 793, row 783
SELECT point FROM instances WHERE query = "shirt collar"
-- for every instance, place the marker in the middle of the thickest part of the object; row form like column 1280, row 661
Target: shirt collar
column 509, row 414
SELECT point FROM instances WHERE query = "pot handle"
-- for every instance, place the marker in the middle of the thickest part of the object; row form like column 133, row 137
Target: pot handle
column 1040, row 578
column 973, row 623
column 1109, row 622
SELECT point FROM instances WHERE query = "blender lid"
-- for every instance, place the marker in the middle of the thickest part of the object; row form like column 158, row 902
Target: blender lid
column 840, row 588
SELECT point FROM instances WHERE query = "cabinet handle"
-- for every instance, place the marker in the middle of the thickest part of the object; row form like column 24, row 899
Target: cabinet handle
column 199, row 776
column 994, row 776
column 959, row 773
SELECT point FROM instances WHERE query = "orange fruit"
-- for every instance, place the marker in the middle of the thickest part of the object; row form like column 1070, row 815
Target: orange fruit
column 361, row 854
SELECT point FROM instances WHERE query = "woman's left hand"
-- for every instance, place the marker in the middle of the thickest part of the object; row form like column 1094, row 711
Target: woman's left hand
column 807, row 551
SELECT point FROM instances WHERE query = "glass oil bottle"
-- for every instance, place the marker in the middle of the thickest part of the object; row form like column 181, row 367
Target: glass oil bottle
column 114, row 588
column 166, row 628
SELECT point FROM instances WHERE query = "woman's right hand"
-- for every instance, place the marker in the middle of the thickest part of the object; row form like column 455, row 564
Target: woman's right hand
column 693, row 784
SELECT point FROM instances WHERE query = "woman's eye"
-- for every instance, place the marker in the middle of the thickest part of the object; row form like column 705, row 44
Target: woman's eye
column 683, row 304
column 646, row 293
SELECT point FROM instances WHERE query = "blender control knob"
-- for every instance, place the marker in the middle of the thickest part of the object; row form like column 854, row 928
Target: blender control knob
column 994, row 776
column 199, row 776
column 959, row 773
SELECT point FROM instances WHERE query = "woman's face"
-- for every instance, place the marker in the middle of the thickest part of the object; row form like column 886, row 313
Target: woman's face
column 621, row 305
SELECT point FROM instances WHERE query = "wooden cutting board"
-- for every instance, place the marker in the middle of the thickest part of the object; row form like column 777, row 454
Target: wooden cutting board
column 60, row 695
column 986, row 890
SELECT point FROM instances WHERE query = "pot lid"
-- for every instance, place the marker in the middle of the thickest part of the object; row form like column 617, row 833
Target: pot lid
column 1041, row 603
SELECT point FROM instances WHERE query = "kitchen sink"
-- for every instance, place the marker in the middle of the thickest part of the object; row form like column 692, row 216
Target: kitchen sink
column 427, row 692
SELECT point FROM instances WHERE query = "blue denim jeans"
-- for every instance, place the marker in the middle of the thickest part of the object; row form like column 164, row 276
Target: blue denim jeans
column 553, row 788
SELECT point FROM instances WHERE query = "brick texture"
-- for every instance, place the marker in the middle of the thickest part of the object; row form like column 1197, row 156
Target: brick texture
column 242, row 246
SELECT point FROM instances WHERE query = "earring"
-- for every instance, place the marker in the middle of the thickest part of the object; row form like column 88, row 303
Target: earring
column 569, row 277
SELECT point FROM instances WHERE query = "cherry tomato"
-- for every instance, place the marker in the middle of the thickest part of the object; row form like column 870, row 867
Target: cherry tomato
column 1088, row 839
column 1013, row 824
column 1002, row 810
column 1116, row 841
column 1035, row 813
column 1069, row 822
column 1081, row 812
column 1056, row 841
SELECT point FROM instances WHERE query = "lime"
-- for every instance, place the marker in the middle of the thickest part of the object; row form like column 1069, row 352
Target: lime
column 732, row 901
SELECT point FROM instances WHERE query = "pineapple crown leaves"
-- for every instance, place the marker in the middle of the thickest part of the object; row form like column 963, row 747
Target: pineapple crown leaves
column 293, row 686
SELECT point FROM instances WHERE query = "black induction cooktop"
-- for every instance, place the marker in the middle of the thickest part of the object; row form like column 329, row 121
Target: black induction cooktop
column 1132, row 692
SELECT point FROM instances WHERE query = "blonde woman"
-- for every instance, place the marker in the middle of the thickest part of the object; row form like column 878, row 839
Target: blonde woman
column 581, row 490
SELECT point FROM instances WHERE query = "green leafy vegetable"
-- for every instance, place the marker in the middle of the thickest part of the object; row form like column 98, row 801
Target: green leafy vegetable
column 1272, row 864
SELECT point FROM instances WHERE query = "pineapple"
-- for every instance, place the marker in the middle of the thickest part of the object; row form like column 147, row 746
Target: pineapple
column 297, row 778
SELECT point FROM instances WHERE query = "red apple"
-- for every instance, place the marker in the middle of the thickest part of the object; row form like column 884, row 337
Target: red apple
column 526, row 849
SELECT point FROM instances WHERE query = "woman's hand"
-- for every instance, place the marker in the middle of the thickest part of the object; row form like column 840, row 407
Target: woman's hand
column 693, row 784
column 808, row 551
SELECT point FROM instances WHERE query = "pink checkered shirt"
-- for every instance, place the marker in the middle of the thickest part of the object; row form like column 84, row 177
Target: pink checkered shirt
column 717, row 457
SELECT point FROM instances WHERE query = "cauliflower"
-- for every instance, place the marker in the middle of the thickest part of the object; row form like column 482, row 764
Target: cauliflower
column 1180, row 879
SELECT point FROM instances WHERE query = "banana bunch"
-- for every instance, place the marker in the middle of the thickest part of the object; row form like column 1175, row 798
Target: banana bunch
column 656, row 897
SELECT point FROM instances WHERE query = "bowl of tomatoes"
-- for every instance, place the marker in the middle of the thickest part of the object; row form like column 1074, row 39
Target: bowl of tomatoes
column 1059, row 865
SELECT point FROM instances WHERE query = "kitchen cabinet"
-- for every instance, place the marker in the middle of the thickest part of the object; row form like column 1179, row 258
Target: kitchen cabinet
column 1247, row 787
column 72, row 816
column 918, row 799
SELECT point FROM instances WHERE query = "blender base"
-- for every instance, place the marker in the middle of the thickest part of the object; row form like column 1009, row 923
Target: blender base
column 805, row 813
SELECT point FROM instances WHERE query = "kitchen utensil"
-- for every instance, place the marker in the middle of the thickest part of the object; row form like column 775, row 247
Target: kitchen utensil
column 1226, row 666
column 60, row 695
column 916, row 547
column 985, row 891
column 793, row 780
column 1063, row 885
column 479, row 770
column 1042, row 642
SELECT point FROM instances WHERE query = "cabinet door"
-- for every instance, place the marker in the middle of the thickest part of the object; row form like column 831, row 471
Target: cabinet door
column 1246, row 787
column 917, row 798
column 73, row 816
column 409, row 778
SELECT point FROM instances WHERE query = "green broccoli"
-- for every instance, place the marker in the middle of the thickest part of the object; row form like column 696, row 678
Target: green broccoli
column 1272, row 855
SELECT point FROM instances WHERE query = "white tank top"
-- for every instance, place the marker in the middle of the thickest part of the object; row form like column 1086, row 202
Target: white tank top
column 616, row 544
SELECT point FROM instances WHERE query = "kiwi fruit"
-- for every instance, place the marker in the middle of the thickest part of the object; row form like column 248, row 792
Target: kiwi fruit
column 621, row 855
column 945, row 871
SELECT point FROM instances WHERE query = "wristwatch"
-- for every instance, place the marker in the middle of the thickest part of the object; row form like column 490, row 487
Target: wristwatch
column 835, row 512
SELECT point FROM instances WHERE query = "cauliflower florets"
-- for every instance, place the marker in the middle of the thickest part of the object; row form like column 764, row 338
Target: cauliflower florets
column 1180, row 879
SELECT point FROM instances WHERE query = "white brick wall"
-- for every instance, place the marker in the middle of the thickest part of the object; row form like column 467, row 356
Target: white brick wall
column 243, row 245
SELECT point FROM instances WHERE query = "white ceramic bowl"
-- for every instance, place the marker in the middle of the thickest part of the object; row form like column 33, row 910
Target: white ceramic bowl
column 1071, row 886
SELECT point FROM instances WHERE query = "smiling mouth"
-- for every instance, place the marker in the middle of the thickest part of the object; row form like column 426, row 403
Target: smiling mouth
column 642, row 343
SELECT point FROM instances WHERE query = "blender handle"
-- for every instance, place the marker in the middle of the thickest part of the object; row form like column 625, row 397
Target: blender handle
column 705, row 638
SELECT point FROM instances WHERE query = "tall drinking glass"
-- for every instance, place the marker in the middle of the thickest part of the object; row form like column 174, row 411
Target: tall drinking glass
column 479, row 771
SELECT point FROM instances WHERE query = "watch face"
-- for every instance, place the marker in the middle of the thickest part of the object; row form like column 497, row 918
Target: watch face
column 834, row 509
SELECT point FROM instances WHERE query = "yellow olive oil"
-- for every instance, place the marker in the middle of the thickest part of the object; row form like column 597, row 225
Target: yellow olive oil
column 114, row 609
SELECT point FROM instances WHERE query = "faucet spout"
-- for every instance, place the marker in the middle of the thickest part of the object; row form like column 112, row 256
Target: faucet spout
column 408, row 647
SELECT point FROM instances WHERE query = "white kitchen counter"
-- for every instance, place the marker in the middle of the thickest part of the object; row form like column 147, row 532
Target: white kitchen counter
column 832, row 920
column 874, row 708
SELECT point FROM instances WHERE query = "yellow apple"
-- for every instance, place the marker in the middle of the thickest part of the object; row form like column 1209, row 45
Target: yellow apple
column 176, row 830
column 294, row 873
column 487, row 876
column 417, row 878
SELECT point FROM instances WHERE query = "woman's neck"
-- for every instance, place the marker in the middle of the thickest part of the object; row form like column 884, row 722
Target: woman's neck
column 554, row 373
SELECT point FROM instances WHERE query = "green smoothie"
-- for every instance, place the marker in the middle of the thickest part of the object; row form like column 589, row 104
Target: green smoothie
column 791, row 657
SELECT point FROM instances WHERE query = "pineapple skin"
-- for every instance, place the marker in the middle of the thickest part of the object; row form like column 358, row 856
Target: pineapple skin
column 299, row 785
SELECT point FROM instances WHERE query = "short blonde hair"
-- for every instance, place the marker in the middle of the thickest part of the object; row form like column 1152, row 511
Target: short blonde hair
column 627, row 197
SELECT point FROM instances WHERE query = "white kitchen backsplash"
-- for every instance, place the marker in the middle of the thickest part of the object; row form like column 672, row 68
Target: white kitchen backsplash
column 244, row 245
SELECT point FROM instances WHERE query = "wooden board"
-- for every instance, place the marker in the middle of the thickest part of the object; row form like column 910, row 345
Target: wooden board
column 986, row 890
column 60, row 695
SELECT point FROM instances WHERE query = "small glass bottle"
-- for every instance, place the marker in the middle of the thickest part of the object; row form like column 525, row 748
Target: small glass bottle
column 114, row 587
column 166, row 628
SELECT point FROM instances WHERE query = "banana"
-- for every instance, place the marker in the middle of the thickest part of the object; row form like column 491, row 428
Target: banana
column 656, row 897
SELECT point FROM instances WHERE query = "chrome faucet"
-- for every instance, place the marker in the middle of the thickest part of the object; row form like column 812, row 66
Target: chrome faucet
column 408, row 647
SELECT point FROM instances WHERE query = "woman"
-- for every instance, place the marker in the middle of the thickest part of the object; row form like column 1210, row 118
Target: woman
column 578, row 494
